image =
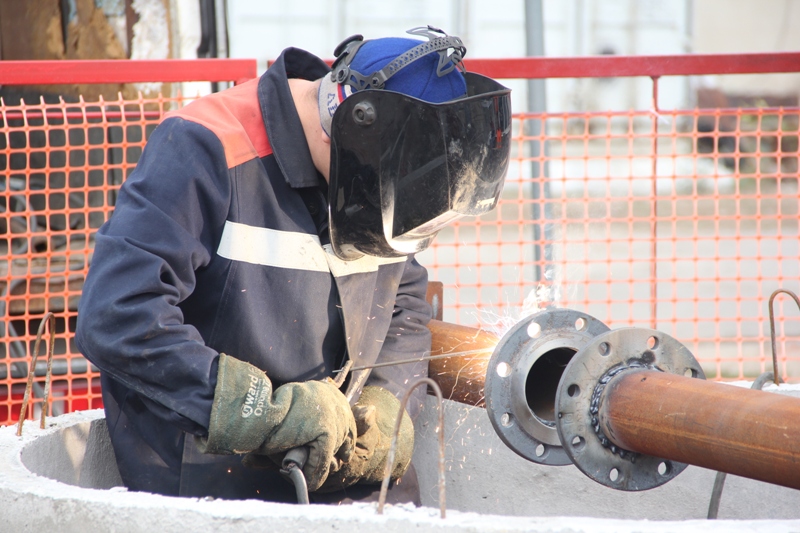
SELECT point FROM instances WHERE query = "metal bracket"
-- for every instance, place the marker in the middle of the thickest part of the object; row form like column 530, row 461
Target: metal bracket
column 523, row 376
column 580, row 392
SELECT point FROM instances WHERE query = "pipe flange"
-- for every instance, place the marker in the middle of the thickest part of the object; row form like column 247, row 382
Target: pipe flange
column 578, row 397
column 522, row 379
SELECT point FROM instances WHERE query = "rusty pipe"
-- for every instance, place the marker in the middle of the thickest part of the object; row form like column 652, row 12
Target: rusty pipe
column 461, row 378
column 661, row 414
column 740, row 431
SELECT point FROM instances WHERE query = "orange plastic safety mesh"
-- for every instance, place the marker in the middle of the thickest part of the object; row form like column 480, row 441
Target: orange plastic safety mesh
column 61, row 166
column 684, row 221
column 681, row 221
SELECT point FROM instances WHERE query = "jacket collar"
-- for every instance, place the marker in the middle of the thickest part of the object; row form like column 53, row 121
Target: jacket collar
column 284, row 131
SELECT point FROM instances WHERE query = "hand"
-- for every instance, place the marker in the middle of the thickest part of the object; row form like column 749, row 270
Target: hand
column 375, row 415
column 247, row 416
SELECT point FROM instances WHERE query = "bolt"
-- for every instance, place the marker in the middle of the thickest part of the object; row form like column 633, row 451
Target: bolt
column 364, row 113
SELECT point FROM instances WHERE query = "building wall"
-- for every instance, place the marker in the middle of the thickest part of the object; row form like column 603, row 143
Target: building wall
column 740, row 26
column 489, row 29
column 263, row 29
column 615, row 27
column 572, row 28
column 83, row 29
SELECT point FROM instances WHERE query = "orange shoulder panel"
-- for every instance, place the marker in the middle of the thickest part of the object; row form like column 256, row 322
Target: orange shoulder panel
column 234, row 115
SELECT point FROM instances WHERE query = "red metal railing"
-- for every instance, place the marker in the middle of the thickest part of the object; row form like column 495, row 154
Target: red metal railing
column 623, row 66
column 685, row 220
column 125, row 71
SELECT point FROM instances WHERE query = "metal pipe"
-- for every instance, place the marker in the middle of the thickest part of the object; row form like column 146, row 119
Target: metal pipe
column 740, row 431
column 719, row 480
column 661, row 414
column 461, row 378
column 537, row 105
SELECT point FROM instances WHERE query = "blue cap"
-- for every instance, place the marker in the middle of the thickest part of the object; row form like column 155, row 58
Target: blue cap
column 419, row 78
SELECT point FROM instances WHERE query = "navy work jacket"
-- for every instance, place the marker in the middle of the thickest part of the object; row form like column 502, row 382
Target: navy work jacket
column 218, row 244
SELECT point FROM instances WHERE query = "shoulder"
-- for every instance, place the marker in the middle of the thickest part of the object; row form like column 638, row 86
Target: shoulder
column 234, row 117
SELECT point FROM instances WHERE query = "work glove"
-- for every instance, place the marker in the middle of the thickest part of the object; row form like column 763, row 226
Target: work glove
column 247, row 416
column 375, row 415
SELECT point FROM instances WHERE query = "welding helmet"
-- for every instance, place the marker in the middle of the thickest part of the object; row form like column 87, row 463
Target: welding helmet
column 416, row 142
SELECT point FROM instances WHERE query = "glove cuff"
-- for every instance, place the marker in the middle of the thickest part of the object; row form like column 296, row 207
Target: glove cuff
column 239, row 411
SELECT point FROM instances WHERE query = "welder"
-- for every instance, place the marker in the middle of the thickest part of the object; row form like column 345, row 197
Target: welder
column 265, row 239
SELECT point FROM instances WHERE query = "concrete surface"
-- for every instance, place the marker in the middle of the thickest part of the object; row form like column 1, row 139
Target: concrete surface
column 64, row 478
column 485, row 476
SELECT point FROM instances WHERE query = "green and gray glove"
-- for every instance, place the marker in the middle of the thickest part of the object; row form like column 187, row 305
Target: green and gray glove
column 248, row 416
column 375, row 415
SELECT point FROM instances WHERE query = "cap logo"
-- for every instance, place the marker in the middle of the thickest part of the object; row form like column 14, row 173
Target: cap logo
column 331, row 94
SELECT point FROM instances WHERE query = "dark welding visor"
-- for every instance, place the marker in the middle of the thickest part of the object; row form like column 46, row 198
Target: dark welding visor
column 402, row 168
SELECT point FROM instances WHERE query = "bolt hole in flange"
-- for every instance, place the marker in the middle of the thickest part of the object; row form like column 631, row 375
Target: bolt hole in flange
column 652, row 343
column 613, row 475
column 522, row 380
column 503, row 369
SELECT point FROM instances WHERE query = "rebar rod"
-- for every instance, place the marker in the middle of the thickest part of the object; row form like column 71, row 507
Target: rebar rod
column 771, row 306
column 387, row 473
column 50, row 320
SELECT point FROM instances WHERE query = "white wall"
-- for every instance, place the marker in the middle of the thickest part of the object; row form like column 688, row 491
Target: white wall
column 739, row 26
column 615, row 27
column 263, row 29
column 496, row 28
column 489, row 29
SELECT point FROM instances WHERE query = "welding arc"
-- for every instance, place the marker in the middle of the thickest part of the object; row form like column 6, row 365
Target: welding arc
column 416, row 360
column 459, row 372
